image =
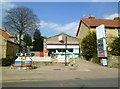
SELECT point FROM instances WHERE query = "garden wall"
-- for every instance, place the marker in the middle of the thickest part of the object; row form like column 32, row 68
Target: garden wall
column 114, row 61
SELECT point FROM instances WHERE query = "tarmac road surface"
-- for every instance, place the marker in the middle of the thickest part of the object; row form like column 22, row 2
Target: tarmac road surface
column 84, row 74
column 65, row 83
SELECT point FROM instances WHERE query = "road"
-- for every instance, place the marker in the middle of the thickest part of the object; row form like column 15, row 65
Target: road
column 65, row 83
column 85, row 74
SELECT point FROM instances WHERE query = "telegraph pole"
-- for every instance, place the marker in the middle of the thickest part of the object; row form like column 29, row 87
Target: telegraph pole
column 65, row 51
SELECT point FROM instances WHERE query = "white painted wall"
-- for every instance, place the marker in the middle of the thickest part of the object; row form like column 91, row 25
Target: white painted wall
column 61, row 46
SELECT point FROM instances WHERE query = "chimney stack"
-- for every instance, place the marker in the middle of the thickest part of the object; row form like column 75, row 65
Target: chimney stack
column 117, row 18
column 91, row 17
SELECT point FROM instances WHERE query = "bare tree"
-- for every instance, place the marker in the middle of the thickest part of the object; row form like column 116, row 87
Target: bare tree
column 21, row 20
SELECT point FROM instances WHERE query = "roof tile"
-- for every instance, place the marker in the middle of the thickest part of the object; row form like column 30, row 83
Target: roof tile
column 92, row 22
column 5, row 34
column 97, row 22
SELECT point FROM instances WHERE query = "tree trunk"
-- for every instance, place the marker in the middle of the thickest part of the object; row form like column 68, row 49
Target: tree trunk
column 20, row 45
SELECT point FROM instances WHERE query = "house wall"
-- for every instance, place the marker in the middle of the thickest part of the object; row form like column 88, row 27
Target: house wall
column 84, row 30
column 3, row 43
column 111, row 33
column 11, row 49
column 56, row 39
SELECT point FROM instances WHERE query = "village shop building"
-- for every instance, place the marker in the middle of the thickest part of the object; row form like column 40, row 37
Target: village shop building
column 60, row 45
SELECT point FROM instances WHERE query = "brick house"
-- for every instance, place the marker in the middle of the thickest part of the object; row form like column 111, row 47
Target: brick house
column 7, row 44
column 89, row 24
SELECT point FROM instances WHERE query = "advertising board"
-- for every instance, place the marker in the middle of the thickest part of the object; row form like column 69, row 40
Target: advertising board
column 101, row 41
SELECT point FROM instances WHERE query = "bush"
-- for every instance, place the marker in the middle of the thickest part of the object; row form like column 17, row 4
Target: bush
column 95, row 59
column 115, row 46
column 89, row 46
column 8, row 61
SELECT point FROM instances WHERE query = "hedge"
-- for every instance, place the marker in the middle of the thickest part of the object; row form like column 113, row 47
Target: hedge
column 8, row 61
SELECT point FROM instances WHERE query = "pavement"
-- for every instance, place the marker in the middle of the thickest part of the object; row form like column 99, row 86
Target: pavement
column 82, row 69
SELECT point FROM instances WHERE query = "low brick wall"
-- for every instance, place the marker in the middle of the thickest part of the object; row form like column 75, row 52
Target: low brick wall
column 114, row 61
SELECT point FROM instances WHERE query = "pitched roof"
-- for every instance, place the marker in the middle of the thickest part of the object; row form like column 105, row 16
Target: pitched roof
column 97, row 22
column 74, row 42
column 6, row 35
column 92, row 22
column 63, row 34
